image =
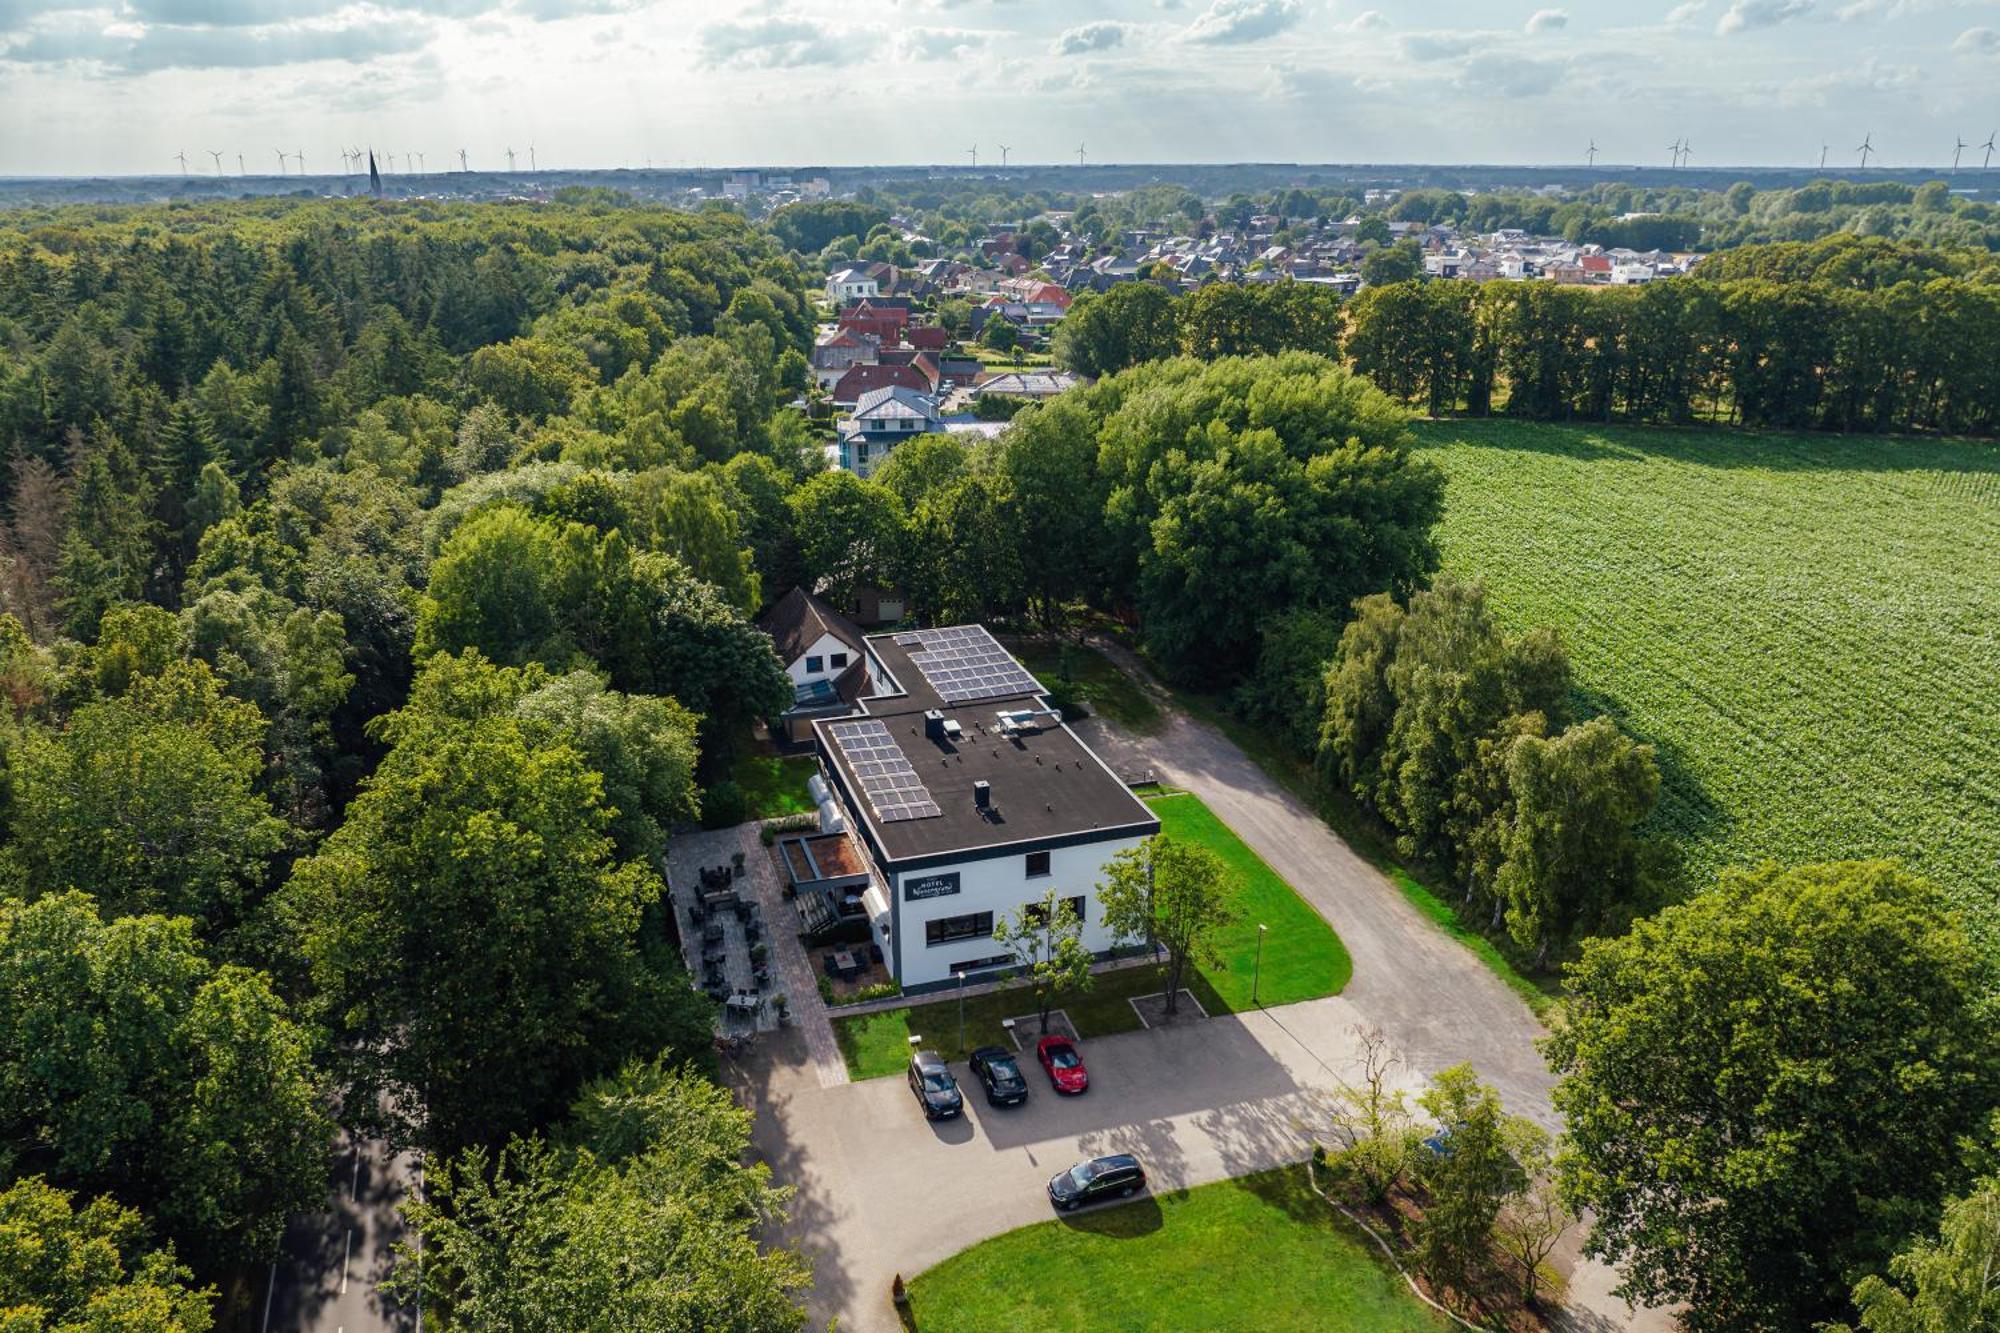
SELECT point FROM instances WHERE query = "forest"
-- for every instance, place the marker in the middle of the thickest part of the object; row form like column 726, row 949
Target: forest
column 379, row 589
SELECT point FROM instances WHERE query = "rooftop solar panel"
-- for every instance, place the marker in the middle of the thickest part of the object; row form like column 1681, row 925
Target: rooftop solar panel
column 884, row 773
column 964, row 664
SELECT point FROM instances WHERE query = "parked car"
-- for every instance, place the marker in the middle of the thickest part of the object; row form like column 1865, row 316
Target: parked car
column 1065, row 1067
column 1118, row 1176
column 1000, row 1074
column 935, row 1089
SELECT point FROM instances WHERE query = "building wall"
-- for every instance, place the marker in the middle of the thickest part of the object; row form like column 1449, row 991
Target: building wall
column 996, row 884
column 824, row 649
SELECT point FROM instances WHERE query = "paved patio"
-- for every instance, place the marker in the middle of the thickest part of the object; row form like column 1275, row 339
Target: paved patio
column 791, row 974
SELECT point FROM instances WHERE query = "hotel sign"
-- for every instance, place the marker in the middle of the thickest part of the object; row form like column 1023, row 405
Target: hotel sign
column 920, row 887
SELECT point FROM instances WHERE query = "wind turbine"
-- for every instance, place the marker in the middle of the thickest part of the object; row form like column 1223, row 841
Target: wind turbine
column 531, row 158
column 461, row 161
column 420, row 164
column 1079, row 155
column 1590, row 155
column 1988, row 146
column 974, row 150
column 301, row 156
column 1004, row 150
column 1822, row 155
column 216, row 153
column 1867, row 147
column 241, row 170
column 510, row 159
column 1959, row 146
column 281, row 160
column 1687, row 150
column 182, row 158
column 1674, row 153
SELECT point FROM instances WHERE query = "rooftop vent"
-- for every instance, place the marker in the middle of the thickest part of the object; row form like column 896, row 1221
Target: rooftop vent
column 982, row 794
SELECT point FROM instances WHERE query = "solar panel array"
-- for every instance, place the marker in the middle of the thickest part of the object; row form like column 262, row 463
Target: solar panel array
column 883, row 771
column 964, row 664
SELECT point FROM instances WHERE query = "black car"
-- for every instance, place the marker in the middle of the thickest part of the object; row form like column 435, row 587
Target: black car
column 1000, row 1075
column 936, row 1090
column 1117, row 1176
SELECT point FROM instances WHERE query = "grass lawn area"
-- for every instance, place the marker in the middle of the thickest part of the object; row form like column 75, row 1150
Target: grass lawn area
column 774, row 785
column 1303, row 960
column 1090, row 675
column 1177, row 1261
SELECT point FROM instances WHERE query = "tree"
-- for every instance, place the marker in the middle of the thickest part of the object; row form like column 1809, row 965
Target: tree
column 64, row 1267
column 1131, row 323
column 850, row 533
column 149, row 801
column 472, row 939
column 999, row 334
column 1046, row 940
column 1533, row 1220
column 1467, row 1172
column 1173, row 896
column 642, row 1219
column 1375, row 1137
column 1390, row 264
column 1765, row 1087
column 1570, row 853
column 1950, row 1284
column 130, row 1063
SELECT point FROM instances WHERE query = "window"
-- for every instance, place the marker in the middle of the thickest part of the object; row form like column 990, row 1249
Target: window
column 1033, row 911
column 1038, row 864
column 949, row 929
column 814, row 666
column 836, row 660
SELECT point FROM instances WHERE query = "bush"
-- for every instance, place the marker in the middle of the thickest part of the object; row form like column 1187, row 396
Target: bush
column 777, row 828
column 724, row 805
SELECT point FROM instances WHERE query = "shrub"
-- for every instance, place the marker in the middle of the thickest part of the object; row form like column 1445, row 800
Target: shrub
column 724, row 805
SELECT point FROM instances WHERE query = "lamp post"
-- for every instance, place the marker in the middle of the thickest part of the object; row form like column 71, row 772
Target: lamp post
column 1257, row 973
column 961, row 1012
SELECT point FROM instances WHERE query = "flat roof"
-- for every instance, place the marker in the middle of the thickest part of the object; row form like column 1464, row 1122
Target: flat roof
column 1046, row 783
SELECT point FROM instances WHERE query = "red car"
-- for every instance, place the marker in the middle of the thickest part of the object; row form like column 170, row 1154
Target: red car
column 1065, row 1067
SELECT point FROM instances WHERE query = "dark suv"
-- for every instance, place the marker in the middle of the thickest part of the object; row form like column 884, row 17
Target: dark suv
column 936, row 1090
column 1118, row 1176
column 1000, row 1075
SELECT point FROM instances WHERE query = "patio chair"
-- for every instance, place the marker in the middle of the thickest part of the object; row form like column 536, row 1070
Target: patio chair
column 832, row 968
column 875, row 954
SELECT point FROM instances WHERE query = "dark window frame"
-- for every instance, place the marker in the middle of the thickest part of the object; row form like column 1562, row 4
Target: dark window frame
column 815, row 665
column 967, row 926
column 1032, row 859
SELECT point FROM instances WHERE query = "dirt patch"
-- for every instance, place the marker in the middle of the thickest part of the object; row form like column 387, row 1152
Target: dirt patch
column 1152, row 1010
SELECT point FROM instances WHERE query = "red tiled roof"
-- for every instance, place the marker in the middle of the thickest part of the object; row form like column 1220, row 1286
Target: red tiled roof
column 848, row 389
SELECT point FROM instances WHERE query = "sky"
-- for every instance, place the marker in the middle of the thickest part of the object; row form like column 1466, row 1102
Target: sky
column 122, row 86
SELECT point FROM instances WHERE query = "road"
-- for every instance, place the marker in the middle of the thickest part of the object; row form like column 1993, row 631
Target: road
column 325, row 1280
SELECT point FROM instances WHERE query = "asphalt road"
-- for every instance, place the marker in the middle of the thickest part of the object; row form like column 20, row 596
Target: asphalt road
column 325, row 1280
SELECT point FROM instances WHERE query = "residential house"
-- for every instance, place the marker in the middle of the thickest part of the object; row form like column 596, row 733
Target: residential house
column 879, row 320
column 861, row 379
column 851, row 284
column 825, row 656
column 838, row 350
column 881, row 420
column 1032, row 384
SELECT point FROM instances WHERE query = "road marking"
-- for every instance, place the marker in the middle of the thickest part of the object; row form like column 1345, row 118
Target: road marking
column 346, row 1253
column 268, row 1291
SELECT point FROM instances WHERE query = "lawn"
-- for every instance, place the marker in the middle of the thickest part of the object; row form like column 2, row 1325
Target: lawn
column 1182, row 1260
column 1091, row 677
column 1802, row 625
column 774, row 785
column 1303, row 960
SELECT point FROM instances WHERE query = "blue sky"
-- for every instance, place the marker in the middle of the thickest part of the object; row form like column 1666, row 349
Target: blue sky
column 122, row 85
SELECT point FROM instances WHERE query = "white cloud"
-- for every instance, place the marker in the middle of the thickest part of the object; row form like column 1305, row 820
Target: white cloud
column 1367, row 20
column 919, row 44
column 1499, row 74
column 1425, row 47
column 1977, row 41
column 1088, row 37
column 768, row 43
column 1744, row 15
column 145, row 49
column 1682, row 15
column 1228, row 22
column 1547, row 20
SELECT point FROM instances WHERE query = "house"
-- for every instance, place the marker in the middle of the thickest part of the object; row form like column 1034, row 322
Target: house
column 835, row 352
column 859, row 379
column 851, row 284
column 881, row 420
column 823, row 653
column 1031, row 384
column 881, row 321
column 928, row 337
column 972, row 800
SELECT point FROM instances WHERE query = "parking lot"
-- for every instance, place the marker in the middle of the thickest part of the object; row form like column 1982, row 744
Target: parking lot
column 886, row 1191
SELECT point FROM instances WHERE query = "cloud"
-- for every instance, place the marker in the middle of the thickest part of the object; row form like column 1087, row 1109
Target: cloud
column 919, row 44
column 768, row 43
column 1499, row 74
column 1295, row 83
column 1367, row 20
column 1744, row 15
column 1425, row 47
column 1547, row 20
column 1840, row 87
column 549, row 10
column 1681, row 15
column 168, row 46
column 1977, row 41
column 1085, row 38
column 1230, row 22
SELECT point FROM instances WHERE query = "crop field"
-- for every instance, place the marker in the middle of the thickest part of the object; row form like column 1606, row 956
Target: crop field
column 1807, row 628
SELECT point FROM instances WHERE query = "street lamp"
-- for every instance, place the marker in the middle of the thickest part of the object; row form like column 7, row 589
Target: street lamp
column 1257, row 973
column 961, row 1011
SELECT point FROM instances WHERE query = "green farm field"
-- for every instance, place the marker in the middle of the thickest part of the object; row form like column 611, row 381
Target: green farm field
column 1807, row 627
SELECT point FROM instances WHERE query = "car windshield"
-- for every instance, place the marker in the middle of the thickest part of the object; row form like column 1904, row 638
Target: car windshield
column 1063, row 1057
column 1083, row 1172
column 937, row 1082
column 1004, row 1070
